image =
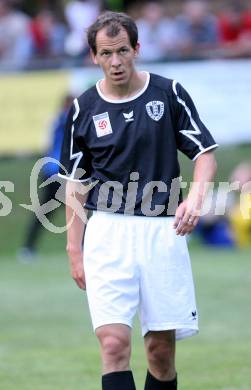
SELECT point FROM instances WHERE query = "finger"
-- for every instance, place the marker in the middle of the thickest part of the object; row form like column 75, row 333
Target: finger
column 195, row 221
column 191, row 223
column 182, row 223
column 182, row 231
column 84, row 284
column 180, row 228
column 179, row 215
column 188, row 218
column 176, row 221
column 178, row 218
column 186, row 225
column 80, row 283
column 185, row 231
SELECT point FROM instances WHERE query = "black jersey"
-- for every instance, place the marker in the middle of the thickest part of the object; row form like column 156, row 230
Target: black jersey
column 128, row 148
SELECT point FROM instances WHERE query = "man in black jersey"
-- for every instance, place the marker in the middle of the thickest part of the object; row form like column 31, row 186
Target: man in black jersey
column 121, row 140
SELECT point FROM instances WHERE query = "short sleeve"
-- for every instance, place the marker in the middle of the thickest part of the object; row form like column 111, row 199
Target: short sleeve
column 193, row 138
column 75, row 159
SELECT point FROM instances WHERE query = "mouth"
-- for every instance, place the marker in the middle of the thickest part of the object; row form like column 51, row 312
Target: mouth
column 118, row 75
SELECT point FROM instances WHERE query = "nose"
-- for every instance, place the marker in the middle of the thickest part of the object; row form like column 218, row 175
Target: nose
column 115, row 60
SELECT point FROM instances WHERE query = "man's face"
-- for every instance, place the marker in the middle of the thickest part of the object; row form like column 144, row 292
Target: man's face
column 116, row 57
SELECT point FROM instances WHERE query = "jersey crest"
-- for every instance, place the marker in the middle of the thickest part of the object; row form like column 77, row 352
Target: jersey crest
column 155, row 109
column 102, row 124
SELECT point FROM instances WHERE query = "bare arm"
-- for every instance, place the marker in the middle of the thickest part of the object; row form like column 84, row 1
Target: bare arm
column 76, row 217
column 187, row 214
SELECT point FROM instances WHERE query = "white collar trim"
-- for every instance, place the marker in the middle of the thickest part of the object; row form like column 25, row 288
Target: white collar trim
column 124, row 100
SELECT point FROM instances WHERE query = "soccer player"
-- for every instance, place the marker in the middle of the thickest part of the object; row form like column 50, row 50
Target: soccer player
column 123, row 135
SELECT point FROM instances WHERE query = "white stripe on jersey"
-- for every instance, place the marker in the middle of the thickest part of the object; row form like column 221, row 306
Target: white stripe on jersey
column 77, row 155
column 188, row 133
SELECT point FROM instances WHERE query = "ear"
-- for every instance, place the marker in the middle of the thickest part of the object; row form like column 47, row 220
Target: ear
column 136, row 50
column 93, row 57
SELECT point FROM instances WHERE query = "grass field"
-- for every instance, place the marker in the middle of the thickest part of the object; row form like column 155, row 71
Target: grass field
column 46, row 340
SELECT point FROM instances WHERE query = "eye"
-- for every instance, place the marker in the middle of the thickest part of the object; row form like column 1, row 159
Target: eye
column 105, row 53
column 123, row 50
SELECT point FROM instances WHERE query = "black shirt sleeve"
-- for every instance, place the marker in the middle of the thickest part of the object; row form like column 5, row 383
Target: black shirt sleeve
column 193, row 138
column 75, row 160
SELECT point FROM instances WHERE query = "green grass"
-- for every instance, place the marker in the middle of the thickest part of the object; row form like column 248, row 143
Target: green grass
column 47, row 343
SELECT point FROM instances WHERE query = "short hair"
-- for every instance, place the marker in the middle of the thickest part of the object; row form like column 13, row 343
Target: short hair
column 114, row 21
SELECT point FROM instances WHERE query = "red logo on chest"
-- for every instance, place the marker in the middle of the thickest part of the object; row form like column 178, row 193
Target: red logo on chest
column 102, row 124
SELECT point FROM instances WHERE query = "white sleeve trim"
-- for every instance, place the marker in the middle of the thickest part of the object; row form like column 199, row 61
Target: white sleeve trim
column 205, row 150
column 72, row 179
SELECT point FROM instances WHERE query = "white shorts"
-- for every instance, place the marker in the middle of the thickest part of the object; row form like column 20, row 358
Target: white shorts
column 139, row 263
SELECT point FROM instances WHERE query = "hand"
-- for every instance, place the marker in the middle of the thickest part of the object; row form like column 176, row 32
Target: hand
column 77, row 268
column 186, row 218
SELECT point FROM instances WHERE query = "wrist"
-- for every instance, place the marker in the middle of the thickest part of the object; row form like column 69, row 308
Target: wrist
column 74, row 250
column 196, row 197
column 197, row 193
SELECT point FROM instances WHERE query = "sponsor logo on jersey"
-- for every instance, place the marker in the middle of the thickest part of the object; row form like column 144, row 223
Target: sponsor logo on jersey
column 102, row 124
column 128, row 117
column 155, row 109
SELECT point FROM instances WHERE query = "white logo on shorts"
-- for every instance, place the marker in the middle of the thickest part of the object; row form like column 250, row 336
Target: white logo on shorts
column 155, row 109
column 102, row 124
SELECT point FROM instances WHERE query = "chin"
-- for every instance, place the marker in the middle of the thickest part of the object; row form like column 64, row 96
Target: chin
column 122, row 81
column 119, row 82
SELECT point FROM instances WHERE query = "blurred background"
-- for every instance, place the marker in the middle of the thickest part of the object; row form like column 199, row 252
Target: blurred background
column 44, row 63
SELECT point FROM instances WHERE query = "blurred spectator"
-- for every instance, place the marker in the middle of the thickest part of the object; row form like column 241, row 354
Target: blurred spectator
column 168, row 30
column 15, row 40
column 35, row 228
column 235, row 30
column 232, row 226
column 79, row 15
column 198, row 29
column 240, row 215
column 48, row 35
column 157, row 34
column 213, row 229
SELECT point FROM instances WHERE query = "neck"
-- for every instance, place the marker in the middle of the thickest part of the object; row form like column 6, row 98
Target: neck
column 136, row 83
